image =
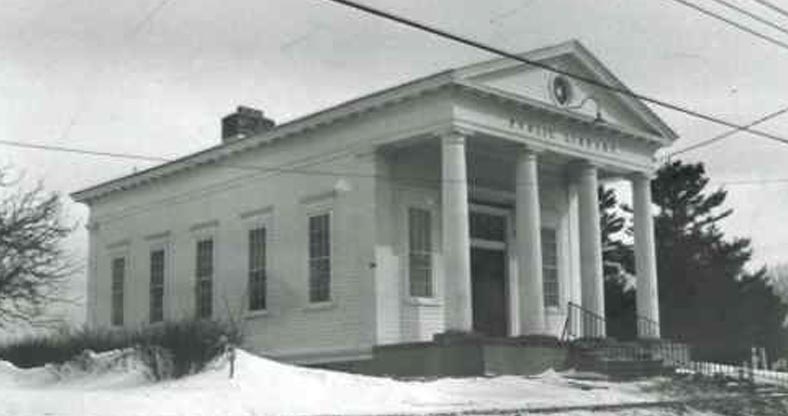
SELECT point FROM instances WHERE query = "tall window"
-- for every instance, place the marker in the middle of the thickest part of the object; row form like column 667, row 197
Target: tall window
column 157, row 285
column 118, row 276
column 204, row 287
column 257, row 278
column 420, row 252
column 550, row 266
column 319, row 258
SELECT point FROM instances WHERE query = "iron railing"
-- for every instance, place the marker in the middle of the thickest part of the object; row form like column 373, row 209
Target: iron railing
column 647, row 327
column 582, row 323
column 584, row 332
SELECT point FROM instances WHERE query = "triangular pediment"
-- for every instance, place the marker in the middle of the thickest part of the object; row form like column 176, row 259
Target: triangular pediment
column 515, row 78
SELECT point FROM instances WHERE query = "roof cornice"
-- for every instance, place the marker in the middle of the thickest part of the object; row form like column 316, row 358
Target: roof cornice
column 301, row 125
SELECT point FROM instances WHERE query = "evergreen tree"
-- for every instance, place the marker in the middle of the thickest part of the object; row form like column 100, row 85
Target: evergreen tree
column 707, row 297
column 618, row 263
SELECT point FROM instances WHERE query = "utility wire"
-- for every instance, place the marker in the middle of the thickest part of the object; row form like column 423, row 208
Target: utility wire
column 457, row 38
column 751, row 15
column 86, row 93
column 756, row 181
column 409, row 182
column 731, row 22
column 728, row 133
column 130, row 156
column 773, row 7
column 494, row 50
column 83, row 151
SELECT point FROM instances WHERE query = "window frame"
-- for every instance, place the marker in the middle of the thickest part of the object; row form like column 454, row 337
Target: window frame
column 556, row 267
column 201, row 237
column 163, row 247
column 430, row 253
column 116, row 312
column 318, row 211
column 265, row 226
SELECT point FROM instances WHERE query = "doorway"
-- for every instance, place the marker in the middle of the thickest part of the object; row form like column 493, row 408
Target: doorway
column 489, row 263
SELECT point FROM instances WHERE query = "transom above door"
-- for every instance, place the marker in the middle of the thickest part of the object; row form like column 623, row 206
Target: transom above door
column 489, row 227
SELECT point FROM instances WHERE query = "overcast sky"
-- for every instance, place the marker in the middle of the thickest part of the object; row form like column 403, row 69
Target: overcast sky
column 154, row 77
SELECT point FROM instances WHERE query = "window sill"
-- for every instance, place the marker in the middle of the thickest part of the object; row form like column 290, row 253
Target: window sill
column 423, row 301
column 320, row 306
column 256, row 314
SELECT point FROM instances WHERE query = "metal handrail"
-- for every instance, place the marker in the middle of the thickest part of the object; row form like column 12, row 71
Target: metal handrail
column 585, row 310
column 646, row 325
column 580, row 320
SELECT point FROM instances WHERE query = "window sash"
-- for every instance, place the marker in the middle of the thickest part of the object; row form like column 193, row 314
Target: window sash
column 551, row 288
column 420, row 253
column 118, row 277
column 157, row 266
column 320, row 258
column 257, row 266
column 204, row 277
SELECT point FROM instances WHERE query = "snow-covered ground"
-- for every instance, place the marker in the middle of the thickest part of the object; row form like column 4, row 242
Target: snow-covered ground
column 116, row 383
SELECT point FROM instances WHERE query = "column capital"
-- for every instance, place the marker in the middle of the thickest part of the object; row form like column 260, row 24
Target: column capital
column 583, row 167
column 453, row 135
column 528, row 151
column 642, row 175
column 584, row 163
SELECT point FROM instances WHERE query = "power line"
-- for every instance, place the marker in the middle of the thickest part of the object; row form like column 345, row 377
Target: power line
column 773, row 7
column 83, row 151
column 756, row 182
column 410, row 180
column 149, row 16
column 226, row 185
column 491, row 49
column 728, row 133
column 130, row 156
column 732, row 23
column 751, row 15
column 132, row 33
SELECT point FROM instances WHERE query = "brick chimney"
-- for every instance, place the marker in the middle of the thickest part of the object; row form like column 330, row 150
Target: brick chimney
column 243, row 123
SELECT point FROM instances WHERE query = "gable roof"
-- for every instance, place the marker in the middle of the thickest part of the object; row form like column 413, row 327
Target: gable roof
column 454, row 77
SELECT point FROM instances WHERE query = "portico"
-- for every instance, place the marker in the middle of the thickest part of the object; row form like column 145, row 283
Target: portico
column 526, row 309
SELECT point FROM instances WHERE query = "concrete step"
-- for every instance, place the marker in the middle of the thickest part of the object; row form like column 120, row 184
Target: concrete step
column 620, row 359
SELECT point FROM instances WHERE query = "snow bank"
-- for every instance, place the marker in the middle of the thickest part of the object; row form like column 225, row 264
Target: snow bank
column 267, row 387
column 117, row 383
column 118, row 368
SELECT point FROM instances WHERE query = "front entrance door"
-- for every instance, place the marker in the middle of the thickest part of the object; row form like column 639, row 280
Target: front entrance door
column 488, row 274
column 489, row 259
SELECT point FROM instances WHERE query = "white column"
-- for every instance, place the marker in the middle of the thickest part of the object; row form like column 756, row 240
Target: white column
column 647, row 299
column 575, row 279
column 529, row 244
column 591, row 272
column 455, row 234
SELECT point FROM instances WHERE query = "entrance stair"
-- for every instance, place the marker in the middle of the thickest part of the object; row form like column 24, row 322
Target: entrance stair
column 614, row 358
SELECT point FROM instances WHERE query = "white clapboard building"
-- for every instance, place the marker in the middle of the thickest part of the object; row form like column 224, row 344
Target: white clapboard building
column 463, row 201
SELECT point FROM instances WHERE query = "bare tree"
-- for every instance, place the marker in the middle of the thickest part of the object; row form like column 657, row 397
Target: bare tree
column 33, row 262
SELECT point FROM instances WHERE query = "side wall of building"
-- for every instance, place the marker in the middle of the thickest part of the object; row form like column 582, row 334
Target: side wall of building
column 329, row 170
